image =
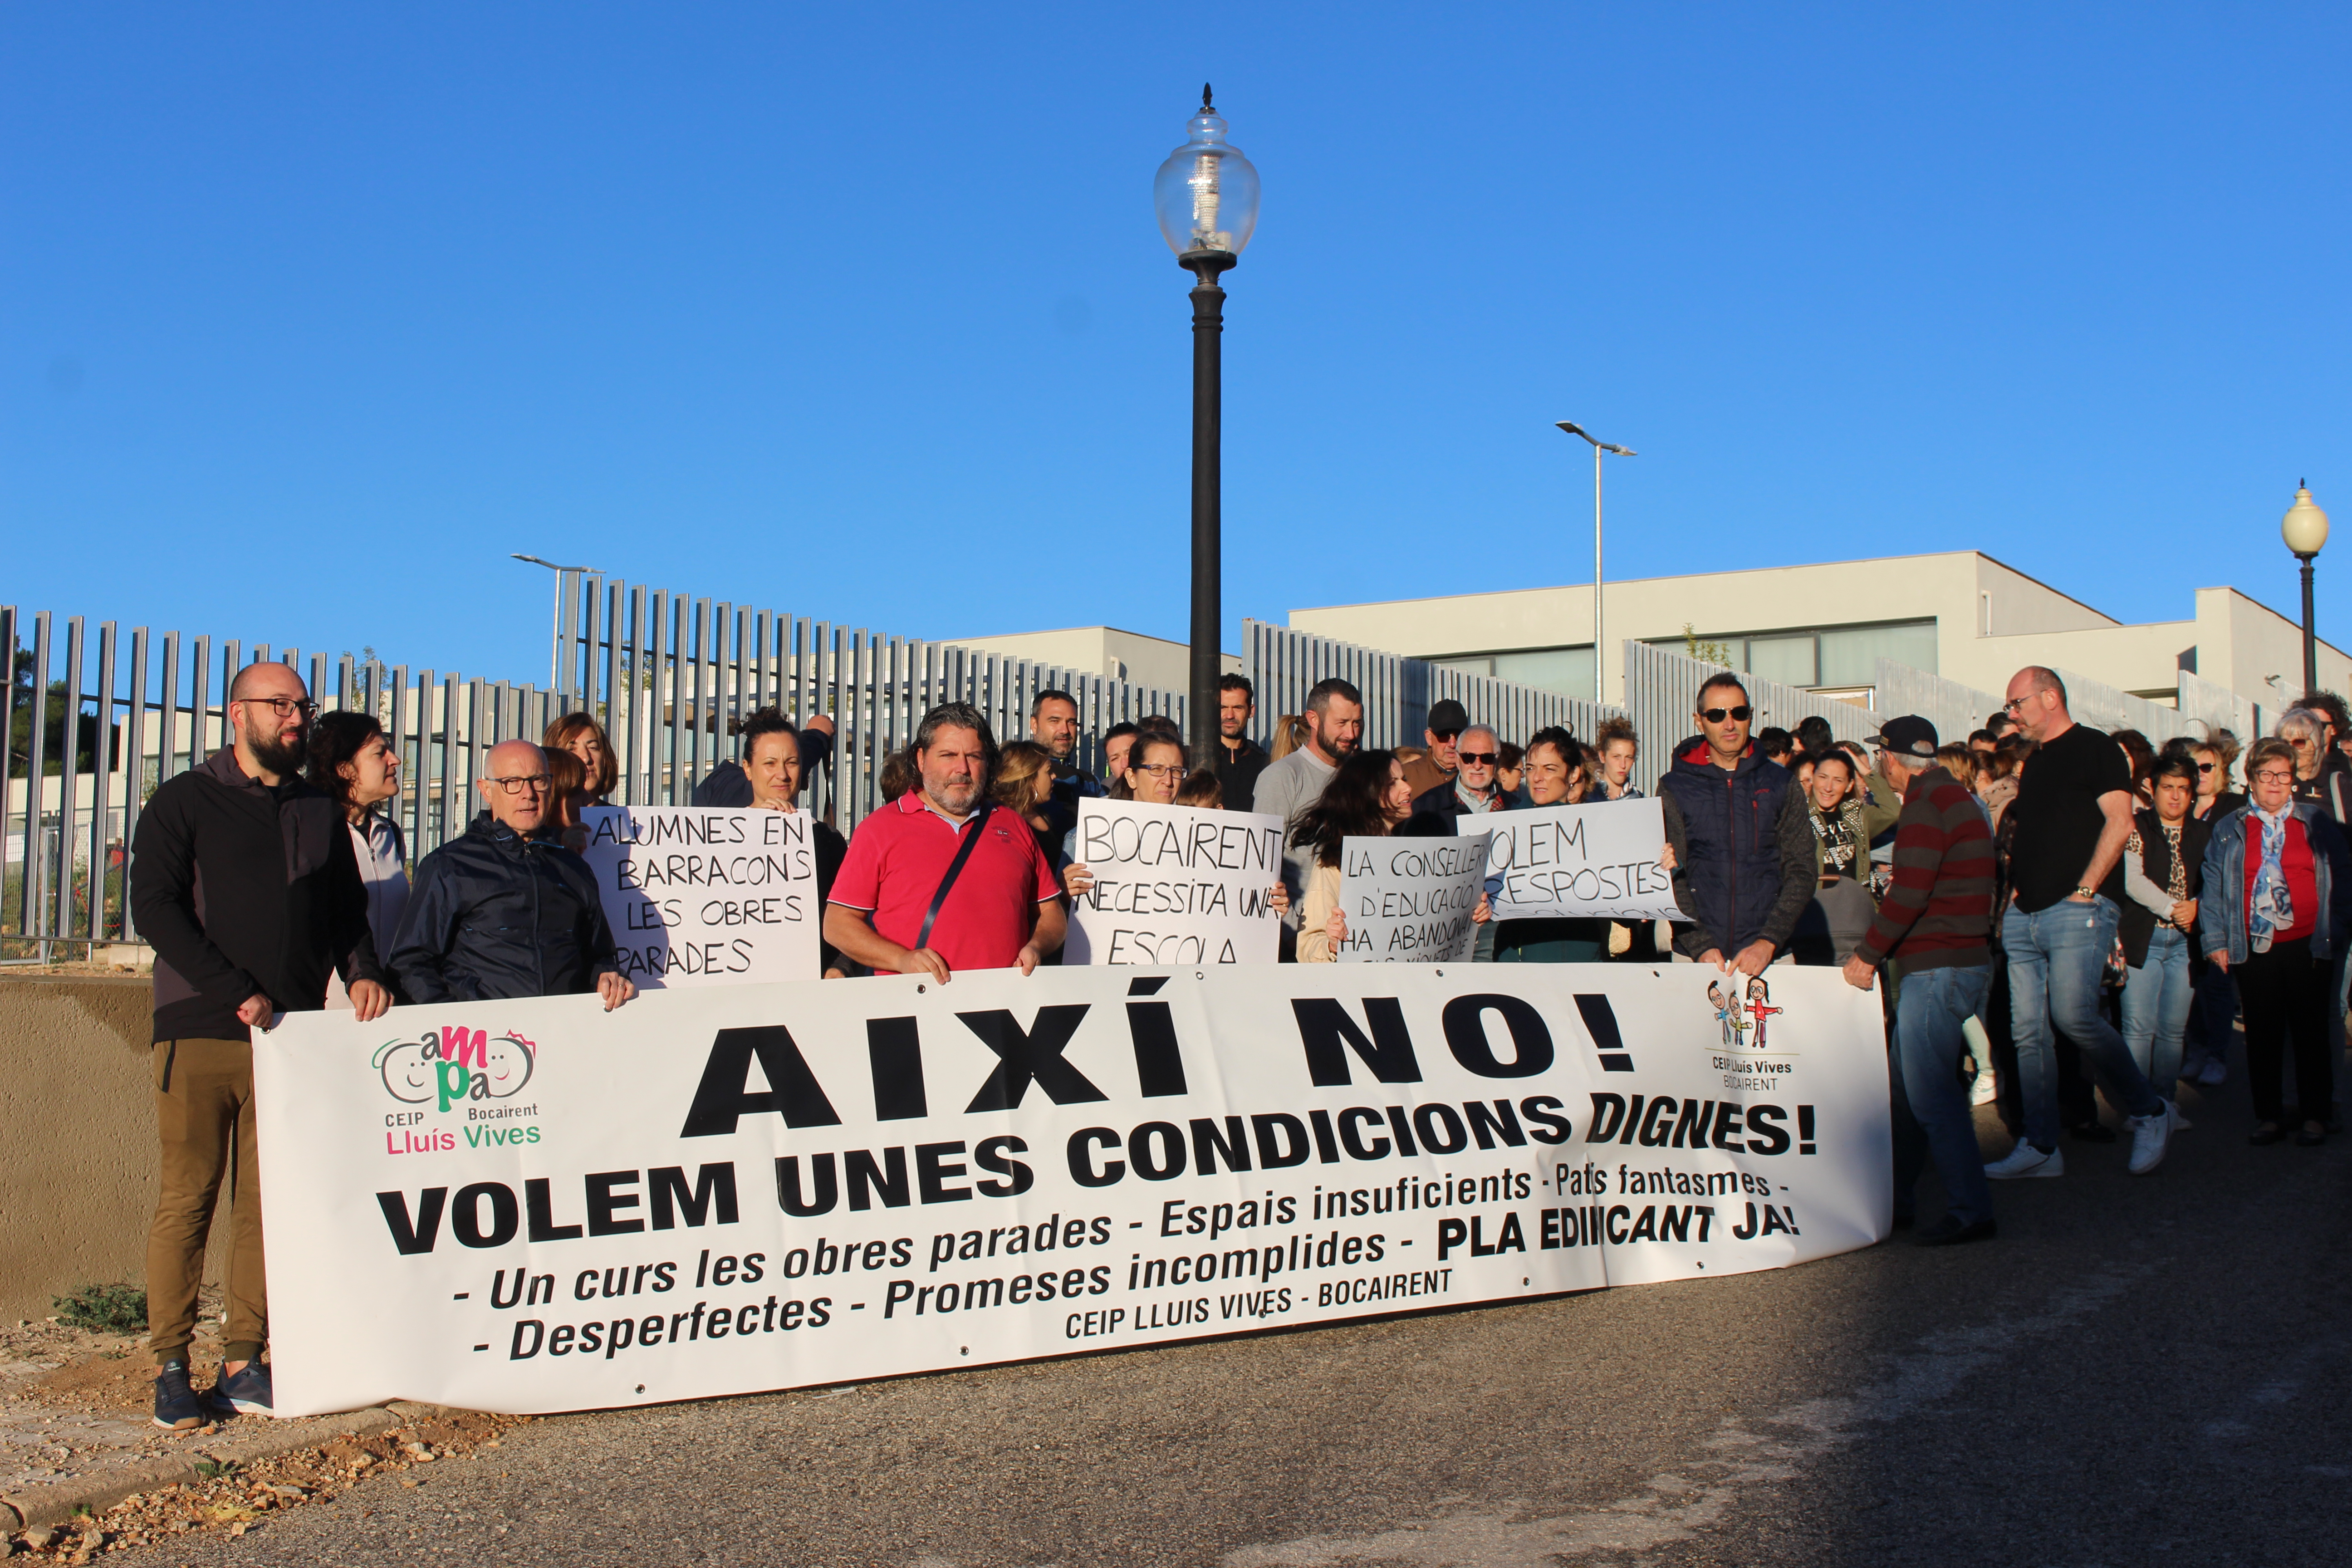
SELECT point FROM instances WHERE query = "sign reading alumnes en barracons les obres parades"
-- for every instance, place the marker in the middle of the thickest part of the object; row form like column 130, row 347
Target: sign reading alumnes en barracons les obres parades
column 540, row 1206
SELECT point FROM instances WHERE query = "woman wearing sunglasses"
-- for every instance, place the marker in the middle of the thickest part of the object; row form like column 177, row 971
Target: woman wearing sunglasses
column 2277, row 905
column 2213, row 1008
column 2320, row 775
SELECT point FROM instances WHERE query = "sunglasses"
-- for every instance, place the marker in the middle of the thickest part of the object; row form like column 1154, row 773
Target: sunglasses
column 1479, row 759
column 1716, row 715
column 2205, row 767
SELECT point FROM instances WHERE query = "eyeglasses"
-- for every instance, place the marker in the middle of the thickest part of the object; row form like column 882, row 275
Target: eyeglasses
column 2276, row 776
column 2014, row 703
column 1716, row 715
column 1478, row 758
column 1444, row 735
column 1162, row 770
column 537, row 782
column 285, row 706
column 2206, row 767
column 2298, row 742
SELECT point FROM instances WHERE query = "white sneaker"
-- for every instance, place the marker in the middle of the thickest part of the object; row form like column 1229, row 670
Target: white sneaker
column 1986, row 1090
column 2172, row 1111
column 2150, row 1135
column 2025, row 1160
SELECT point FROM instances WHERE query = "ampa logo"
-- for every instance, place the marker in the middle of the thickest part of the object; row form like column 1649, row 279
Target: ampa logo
column 452, row 1065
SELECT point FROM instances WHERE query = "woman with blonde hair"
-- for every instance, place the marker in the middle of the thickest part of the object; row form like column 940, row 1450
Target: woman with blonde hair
column 1289, row 734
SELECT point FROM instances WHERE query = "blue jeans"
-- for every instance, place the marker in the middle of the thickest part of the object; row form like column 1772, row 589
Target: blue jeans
column 2155, row 1008
column 2212, row 1019
column 2055, row 958
column 1931, row 1107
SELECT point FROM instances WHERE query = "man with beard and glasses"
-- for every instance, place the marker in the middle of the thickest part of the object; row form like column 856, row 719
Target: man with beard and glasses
column 244, row 882
column 937, row 880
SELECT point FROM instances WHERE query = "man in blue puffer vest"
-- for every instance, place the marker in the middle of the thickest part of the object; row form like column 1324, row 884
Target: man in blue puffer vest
column 1743, row 849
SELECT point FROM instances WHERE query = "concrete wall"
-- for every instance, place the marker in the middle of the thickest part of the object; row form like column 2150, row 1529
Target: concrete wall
column 77, row 1158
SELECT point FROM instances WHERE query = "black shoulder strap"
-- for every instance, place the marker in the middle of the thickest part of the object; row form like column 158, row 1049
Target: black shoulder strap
column 955, row 869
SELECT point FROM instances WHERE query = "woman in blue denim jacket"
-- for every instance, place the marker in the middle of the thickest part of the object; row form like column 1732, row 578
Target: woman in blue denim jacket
column 2277, row 906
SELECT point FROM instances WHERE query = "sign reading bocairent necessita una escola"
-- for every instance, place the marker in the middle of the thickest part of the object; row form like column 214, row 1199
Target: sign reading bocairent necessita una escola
column 540, row 1206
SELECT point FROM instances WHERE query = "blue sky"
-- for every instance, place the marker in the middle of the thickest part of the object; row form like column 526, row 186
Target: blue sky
column 309, row 314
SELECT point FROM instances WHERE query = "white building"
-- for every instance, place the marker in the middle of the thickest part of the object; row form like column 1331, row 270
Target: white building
column 1960, row 614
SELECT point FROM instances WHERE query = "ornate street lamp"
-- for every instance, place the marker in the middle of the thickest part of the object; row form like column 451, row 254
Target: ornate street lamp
column 2304, row 529
column 1206, row 196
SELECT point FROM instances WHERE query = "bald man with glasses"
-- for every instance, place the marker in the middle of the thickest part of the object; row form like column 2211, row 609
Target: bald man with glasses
column 504, row 910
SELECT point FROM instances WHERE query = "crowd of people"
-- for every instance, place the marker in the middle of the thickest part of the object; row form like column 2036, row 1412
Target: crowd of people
column 2048, row 912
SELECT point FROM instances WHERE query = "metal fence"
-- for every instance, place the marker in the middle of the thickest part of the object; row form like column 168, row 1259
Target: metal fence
column 2110, row 708
column 1661, row 694
column 1397, row 690
column 2207, row 706
column 1956, row 709
column 671, row 677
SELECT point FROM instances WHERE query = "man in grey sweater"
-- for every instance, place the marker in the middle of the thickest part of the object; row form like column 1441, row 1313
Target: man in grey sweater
column 1335, row 726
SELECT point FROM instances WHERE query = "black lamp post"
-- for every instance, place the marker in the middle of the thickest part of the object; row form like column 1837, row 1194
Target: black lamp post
column 1206, row 196
column 2304, row 529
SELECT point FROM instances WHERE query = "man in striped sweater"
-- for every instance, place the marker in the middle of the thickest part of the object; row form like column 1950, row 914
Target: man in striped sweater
column 1934, row 927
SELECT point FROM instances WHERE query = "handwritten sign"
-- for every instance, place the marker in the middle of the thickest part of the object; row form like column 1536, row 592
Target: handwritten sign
column 707, row 898
column 1550, row 862
column 1175, row 885
column 1407, row 901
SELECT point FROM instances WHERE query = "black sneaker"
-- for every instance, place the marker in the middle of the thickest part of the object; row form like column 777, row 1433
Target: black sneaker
column 1949, row 1232
column 248, row 1390
column 177, row 1407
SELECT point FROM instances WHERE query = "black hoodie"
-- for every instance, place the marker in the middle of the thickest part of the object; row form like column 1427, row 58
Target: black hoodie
column 240, row 888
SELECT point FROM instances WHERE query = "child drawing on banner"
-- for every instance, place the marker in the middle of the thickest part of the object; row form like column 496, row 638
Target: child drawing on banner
column 1759, row 999
column 1726, row 1014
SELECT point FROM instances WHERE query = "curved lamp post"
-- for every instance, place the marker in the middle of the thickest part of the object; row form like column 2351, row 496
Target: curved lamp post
column 1599, row 693
column 1206, row 196
column 2304, row 529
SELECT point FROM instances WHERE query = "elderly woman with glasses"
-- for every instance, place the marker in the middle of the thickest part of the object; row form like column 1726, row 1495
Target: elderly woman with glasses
column 2276, row 908
column 2320, row 775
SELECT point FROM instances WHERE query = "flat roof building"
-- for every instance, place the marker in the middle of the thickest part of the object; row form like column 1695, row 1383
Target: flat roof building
column 1960, row 614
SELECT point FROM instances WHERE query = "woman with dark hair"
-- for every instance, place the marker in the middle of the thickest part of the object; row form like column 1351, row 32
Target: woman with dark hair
column 1839, row 916
column 2278, row 900
column 1368, row 798
column 579, row 734
column 1554, row 770
column 350, row 759
column 2142, row 757
column 2164, row 873
column 567, row 797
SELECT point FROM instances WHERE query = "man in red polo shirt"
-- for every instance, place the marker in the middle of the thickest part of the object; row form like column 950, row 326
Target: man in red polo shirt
column 1003, row 909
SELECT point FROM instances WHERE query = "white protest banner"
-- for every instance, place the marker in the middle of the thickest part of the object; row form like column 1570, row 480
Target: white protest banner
column 1407, row 901
column 707, row 898
column 1554, row 861
column 1174, row 884
column 540, row 1206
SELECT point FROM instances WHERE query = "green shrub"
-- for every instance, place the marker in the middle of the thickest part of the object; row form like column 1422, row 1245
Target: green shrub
column 106, row 1308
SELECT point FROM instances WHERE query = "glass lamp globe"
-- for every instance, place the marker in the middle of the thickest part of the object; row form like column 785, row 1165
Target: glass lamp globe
column 1206, row 193
column 2304, row 527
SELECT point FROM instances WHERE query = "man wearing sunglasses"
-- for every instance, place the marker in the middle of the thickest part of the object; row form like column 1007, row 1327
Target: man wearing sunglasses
column 1743, row 848
column 244, row 883
column 1448, row 721
column 502, row 911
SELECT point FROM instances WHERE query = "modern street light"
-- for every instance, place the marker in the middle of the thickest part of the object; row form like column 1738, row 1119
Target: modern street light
column 555, row 650
column 2304, row 529
column 1599, row 446
column 1206, row 196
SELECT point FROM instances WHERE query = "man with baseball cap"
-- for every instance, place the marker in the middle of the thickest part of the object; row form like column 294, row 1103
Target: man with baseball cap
column 1934, row 927
column 1448, row 719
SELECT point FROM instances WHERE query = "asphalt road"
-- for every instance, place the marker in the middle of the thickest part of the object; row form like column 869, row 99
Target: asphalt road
column 2150, row 1370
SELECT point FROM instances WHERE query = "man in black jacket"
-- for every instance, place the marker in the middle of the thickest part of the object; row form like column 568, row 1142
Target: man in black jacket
column 244, row 882
column 502, row 912
column 1239, row 759
column 1743, row 848
column 1472, row 790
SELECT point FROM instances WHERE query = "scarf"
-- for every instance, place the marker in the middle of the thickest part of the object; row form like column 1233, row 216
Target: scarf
column 1839, row 835
column 2271, row 911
